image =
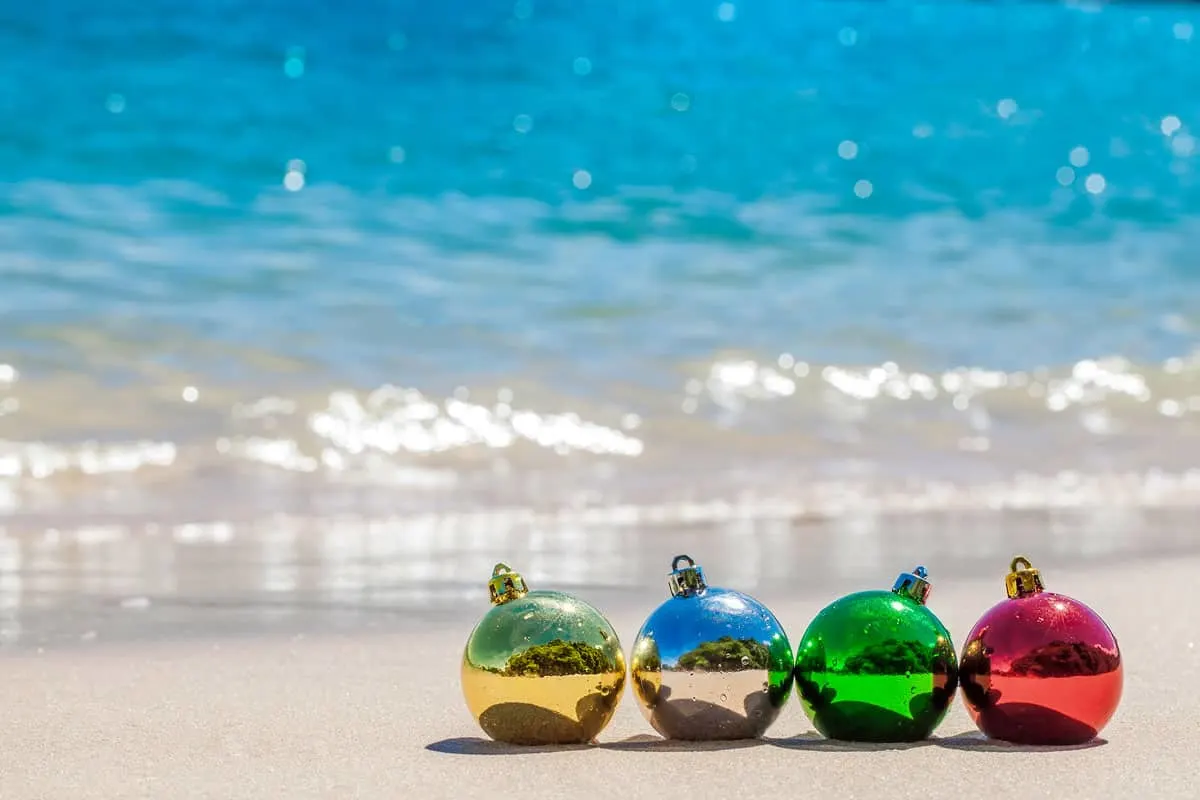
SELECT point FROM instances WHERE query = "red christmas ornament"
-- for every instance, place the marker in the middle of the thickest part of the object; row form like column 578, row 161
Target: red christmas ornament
column 1040, row 668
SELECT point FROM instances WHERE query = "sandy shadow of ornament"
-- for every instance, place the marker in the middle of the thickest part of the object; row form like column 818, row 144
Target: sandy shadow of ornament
column 530, row 725
column 689, row 719
column 818, row 743
column 867, row 723
column 1032, row 724
column 474, row 746
column 527, row 728
column 647, row 743
column 974, row 741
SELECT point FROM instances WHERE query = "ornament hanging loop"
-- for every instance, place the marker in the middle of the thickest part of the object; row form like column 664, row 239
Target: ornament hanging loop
column 506, row 585
column 1022, row 580
column 685, row 581
column 913, row 585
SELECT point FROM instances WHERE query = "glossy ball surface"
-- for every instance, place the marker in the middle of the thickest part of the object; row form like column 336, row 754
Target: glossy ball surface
column 546, row 668
column 1042, row 669
column 711, row 665
column 876, row 667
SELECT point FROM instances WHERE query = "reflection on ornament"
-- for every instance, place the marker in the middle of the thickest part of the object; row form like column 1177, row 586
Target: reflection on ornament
column 1039, row 667
column 541, row 667
column 878, row 666
column 710, row 663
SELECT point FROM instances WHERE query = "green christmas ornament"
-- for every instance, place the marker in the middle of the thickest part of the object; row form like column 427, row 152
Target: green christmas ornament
column 878, row 666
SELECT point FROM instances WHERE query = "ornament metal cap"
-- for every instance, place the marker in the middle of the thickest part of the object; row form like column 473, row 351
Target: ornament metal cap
column 913, row 585
column 1022, row 582
column 506, row 585
column 686, row 581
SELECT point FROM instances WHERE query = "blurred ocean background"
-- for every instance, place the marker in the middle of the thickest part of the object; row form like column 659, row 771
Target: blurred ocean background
column 626, row 260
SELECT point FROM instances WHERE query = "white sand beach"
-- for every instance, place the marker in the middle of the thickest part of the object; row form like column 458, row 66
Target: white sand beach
column 382, row 716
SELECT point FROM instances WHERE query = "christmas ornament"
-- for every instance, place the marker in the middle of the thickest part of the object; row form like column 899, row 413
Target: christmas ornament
column 1040, row 667
column 541, row 667
column 710, row 663
column 878, row 666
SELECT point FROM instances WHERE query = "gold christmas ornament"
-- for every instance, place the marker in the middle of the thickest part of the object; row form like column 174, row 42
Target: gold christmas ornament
column 541, row 667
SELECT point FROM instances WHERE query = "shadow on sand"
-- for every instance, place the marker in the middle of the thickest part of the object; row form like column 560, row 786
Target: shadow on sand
column 475, row 746
column 642, row 743
column 969, row 741
column 977, row 742
column 815, row 742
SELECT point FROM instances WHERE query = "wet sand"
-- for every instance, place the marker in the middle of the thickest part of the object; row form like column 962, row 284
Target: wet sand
column 88, row 586
column 379, row 714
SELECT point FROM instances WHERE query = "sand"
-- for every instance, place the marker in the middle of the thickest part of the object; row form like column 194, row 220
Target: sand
column 382, row 716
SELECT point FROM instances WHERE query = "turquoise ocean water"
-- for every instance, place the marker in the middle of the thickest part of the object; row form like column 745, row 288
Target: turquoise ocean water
column 379, row 258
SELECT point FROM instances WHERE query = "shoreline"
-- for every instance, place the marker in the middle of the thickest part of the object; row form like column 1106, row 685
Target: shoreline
column 279, row 585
